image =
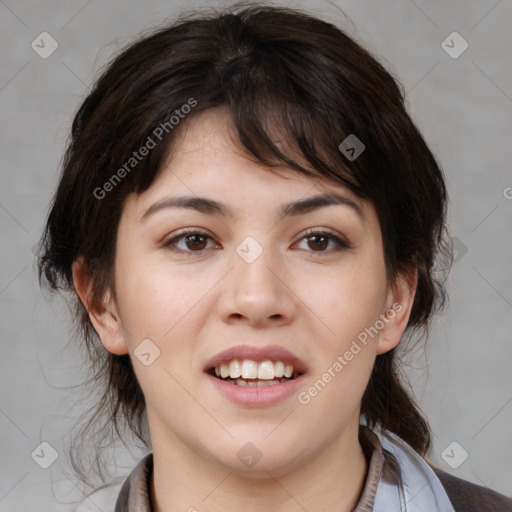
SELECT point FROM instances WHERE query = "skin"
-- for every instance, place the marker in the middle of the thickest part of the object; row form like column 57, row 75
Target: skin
column 308, row 298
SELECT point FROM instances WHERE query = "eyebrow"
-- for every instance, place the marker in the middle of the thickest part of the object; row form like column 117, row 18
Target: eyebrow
column 211, row 207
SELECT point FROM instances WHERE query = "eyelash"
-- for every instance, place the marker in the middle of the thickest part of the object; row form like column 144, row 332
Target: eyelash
column 340, row 244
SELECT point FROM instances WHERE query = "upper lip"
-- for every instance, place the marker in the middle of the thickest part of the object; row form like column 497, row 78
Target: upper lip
column 257, row 354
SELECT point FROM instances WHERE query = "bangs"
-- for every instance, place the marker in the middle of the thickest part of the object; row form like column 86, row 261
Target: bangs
column 283, row 98
column 280, row 121
column 281, row 133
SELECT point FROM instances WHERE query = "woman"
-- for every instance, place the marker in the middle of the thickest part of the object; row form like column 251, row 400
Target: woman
column 248, row 221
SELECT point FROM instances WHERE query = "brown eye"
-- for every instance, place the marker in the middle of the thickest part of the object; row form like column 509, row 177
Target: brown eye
column 189, row 242
column 195, row 242
column 318, row 242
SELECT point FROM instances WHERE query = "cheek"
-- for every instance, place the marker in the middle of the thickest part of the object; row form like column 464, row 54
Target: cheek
column 160, row 305
column 331, row 400
column 347, row 301
column 154, row 298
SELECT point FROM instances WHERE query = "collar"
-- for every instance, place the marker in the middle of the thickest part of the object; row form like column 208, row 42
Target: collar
column 388, row 458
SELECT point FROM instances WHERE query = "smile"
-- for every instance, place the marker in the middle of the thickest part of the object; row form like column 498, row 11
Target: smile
column 251, row 373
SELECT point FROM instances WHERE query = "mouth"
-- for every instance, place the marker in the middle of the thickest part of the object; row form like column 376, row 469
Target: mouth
column 250, row 366
column 244, row 381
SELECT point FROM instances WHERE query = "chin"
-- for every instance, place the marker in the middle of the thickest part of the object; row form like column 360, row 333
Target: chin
column 257, row 459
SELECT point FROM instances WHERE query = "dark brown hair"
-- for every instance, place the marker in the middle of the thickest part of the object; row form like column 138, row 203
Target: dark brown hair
column 273, row 68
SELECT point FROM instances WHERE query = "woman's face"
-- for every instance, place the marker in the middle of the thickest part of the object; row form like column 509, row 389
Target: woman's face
column 249, row 276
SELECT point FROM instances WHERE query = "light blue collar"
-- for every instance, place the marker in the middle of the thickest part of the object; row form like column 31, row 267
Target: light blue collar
column 407, row 483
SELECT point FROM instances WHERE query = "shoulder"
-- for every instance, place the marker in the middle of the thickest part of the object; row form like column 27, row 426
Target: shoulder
column 468, row 497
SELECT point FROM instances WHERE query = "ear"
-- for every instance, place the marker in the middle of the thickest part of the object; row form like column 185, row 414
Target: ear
column 397, row 310
column 105, row 318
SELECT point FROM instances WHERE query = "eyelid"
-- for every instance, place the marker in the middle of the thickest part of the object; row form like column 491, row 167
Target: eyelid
column 183, row 233
column 340, row 241
column 325, row 231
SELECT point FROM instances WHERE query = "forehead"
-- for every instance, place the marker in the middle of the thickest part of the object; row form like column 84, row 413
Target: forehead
column 207, row 149
column 208, row 170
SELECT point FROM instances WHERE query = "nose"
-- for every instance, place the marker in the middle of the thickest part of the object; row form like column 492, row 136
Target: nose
column 258, row 293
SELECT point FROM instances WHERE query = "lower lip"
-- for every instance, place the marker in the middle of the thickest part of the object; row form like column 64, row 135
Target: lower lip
column 256, row 396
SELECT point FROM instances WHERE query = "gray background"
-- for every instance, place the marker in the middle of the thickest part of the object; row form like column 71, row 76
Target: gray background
column 463, row 107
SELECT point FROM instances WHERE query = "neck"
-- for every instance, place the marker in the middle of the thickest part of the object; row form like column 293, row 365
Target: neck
column 333, row 480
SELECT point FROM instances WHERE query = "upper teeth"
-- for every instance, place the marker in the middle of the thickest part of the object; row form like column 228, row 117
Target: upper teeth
column 247, row 369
